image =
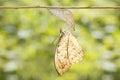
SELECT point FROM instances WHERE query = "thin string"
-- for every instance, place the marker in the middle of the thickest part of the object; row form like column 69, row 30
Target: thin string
column 61, row 7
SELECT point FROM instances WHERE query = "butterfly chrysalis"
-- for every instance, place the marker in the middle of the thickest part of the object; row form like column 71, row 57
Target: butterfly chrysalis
column 65, row 15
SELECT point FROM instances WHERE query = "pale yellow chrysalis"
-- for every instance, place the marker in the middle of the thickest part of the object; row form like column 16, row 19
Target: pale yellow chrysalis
column 65, row 15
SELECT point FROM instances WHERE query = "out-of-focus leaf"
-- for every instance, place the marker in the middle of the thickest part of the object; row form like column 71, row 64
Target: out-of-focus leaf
column 64, row 15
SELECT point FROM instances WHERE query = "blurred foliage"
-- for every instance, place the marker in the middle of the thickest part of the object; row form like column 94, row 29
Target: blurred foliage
column 28, row 41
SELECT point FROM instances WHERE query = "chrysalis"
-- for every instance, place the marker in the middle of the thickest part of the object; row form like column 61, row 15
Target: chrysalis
column 64, row 15
column 67, row 52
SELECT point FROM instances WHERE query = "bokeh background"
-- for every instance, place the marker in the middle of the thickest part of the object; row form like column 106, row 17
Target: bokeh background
column 28, row 39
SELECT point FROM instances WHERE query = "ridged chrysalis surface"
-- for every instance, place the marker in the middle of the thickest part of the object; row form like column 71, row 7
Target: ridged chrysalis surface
column 65, row 15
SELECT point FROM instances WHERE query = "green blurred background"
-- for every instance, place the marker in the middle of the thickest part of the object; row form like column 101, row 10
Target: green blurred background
column 28, row 39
